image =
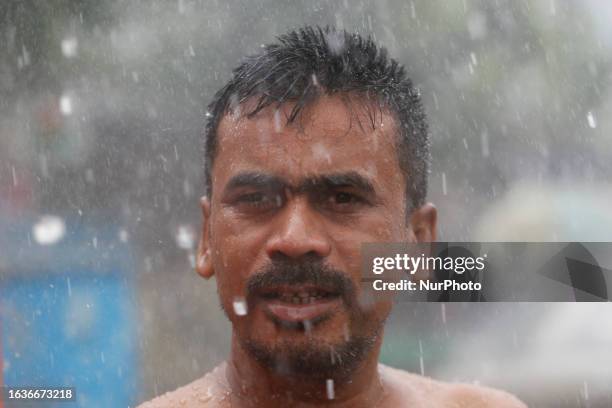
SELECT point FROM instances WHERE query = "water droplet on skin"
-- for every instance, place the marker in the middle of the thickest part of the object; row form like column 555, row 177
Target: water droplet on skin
column 347, row 334
column 204, row 398
column 329, row 388
column 240, row 306
column 49, row 230
column 321, row 153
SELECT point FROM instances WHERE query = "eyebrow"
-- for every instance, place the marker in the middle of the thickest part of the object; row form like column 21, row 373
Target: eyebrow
column 311, row 183
column 255, row 180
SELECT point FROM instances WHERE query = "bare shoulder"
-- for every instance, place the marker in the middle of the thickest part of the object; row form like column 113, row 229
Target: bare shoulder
column 203, row 392
column 479, row 396
column 413, row 387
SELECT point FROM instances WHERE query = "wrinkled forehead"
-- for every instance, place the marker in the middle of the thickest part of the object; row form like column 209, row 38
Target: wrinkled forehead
column 330, row 134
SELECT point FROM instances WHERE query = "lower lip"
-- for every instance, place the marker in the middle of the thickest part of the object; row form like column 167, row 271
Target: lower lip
column 290, row 312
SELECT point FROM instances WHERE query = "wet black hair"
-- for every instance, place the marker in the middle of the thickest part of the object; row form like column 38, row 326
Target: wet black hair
column 309, row 61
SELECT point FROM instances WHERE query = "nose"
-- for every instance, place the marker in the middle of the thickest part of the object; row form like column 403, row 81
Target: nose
column 298, row 232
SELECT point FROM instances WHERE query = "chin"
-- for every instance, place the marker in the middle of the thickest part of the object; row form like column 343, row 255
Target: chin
column 314, row 356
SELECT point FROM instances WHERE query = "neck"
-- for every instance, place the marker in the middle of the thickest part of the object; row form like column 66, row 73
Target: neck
column 252, row 384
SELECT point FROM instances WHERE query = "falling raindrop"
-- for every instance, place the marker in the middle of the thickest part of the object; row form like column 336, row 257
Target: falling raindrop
column 335, row 42
column 123, row 235
column 444, row 183
column 277, row 121
column 44, row 166
column 69, row 47
column 89, row 175
column 185, row 237
column 240, row 306
column 49, row 230
column 443, row 307
column 477, row 25
column 65, row 105
column 591, row 120
column 484, row 143
column 329, row 388
column 307, row 326
column 473, row 59
column 421, row 362
column 315, row 80
column 14, row 176
column 234, row 106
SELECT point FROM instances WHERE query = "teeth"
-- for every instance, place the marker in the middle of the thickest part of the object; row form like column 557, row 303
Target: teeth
column 299, row 300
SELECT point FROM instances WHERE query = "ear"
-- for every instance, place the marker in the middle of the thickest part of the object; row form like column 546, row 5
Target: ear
column 204, row 265
column 424, row 223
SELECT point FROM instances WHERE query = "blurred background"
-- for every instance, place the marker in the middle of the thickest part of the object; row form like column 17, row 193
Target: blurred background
column 101, row 109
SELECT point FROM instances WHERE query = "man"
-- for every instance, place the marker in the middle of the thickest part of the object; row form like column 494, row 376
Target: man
column 315, row 146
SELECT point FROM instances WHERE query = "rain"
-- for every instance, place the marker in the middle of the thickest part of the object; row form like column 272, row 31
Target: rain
column 102, row 112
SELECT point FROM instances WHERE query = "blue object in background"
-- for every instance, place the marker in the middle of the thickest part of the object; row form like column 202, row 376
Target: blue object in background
column 68, row 314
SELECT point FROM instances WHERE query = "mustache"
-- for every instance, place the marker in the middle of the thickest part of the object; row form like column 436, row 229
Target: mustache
column 314, row 272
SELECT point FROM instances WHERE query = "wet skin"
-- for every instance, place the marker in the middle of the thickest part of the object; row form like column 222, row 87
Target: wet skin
column 314, row 189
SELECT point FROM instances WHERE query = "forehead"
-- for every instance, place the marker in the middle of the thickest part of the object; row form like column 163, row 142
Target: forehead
column 331, row 134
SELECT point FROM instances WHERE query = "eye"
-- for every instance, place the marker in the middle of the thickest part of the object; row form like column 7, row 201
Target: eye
column 345, row 198
column 343, row 201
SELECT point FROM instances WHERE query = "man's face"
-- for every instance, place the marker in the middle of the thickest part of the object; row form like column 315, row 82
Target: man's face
column 291, row 206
